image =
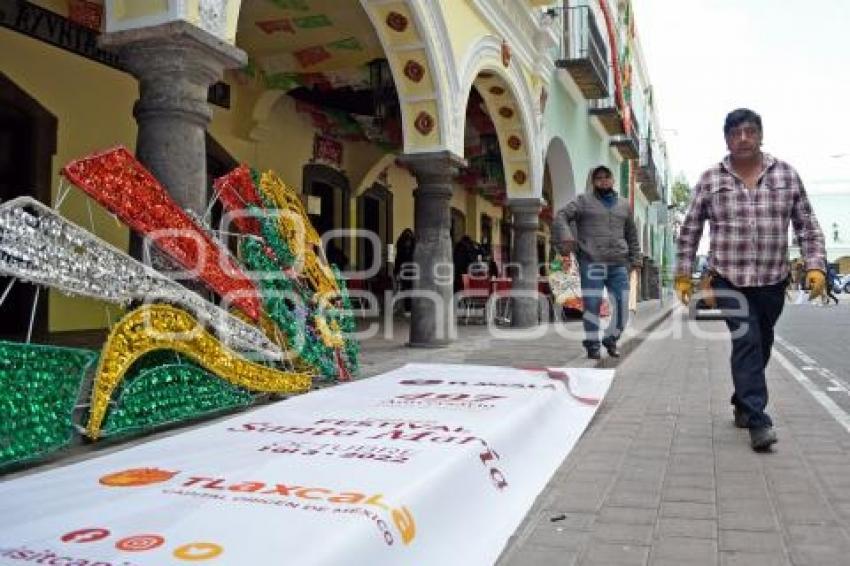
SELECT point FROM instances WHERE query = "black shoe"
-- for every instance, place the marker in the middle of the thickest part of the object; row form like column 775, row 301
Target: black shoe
column 594, row 355
column 611, row 347
column 741, row 420
column 612, row 350
column 762, row 438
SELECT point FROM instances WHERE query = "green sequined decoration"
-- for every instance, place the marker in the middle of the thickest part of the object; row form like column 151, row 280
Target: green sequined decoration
column 291, row 305
column 164, row 388
column 39, row 387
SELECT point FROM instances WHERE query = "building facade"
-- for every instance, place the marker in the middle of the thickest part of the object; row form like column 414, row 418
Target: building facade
column 452, row 118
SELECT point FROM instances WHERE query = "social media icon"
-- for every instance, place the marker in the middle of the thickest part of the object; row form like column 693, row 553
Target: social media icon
column 139, row 543
column 85, row 535
column 198, row 551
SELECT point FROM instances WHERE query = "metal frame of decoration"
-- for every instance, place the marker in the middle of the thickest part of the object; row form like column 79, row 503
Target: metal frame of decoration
column 153, row 327
column 40, row 246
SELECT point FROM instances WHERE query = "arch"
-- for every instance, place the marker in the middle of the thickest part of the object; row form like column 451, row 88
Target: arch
column 560, row 172
column 417, row 64
column 371, row 176
column 504, row 88
column 262, row 112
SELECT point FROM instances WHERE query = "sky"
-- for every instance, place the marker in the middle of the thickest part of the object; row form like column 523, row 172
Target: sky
column 788, row 60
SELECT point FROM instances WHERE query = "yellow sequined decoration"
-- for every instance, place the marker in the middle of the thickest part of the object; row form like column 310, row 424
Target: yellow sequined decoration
column 330, row 334
column 303, row 240
column 163, row 327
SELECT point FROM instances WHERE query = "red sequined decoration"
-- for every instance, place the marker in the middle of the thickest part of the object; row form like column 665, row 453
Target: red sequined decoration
column 122, row 185
column 236, row 191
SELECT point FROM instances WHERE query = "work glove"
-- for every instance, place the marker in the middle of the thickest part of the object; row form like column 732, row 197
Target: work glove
column 816, row 282
column 684, row 288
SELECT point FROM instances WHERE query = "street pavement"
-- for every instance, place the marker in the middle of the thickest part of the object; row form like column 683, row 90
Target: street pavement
column 663, row 477
column 816, row 340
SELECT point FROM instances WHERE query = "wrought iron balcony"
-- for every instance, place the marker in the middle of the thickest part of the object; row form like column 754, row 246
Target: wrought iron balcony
column 605, row 109
column 583, row 52
column 628, row 144
column 647, row 174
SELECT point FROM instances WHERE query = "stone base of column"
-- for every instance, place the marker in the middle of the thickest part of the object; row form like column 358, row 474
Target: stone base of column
column 525, row 302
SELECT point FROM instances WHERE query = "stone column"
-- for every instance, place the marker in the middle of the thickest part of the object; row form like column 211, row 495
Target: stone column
column 524, row 308
column 432, row 316
column 175, row 64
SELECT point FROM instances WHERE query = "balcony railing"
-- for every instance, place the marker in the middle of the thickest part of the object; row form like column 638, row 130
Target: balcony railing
column 628, row 144
column 584, row 53
column 647, row 174
column 605, row 109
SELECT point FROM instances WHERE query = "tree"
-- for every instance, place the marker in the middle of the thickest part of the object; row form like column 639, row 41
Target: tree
column 681, row 193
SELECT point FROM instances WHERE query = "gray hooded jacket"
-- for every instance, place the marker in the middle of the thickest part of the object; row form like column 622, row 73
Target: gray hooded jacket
column 605, row 235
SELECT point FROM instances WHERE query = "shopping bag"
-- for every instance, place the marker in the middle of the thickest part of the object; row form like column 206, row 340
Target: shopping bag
column 565, row 282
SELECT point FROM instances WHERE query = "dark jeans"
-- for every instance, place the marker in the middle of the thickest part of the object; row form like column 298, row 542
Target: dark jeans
column 752, row 339
column 595, row 277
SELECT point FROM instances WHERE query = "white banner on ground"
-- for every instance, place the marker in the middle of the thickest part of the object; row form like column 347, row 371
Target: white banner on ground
column 427, row 464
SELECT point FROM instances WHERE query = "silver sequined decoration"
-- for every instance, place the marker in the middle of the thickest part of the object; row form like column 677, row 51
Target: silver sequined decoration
column 40, row 246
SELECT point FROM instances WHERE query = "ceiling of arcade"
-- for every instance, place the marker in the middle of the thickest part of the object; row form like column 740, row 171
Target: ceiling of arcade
column 292, row 41
column 326, row 55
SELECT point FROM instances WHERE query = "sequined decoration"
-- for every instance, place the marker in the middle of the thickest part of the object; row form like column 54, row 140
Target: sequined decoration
column 157, row 392
column 304, row 297
column 120, row 183
column 39, row 387
column 237, row 193
column 300, row 235
column 163, row 327
column 40, row 246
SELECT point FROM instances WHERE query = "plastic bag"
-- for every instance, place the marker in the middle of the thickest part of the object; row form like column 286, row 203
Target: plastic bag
column 565, row 282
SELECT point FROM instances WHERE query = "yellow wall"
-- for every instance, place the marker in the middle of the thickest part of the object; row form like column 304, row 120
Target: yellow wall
column 93, row 105
column 464, row 26
column 402, row 185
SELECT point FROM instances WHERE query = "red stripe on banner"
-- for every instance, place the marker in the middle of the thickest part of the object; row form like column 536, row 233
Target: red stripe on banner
column 564, row 378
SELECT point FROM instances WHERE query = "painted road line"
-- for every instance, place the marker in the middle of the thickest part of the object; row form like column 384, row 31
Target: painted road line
column 812, row 365
column 820, row 396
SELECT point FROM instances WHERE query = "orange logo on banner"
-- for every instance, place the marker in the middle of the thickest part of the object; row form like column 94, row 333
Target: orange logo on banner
column 140, row 543
column 198, row 551
column 137, row 476
column 404, row 523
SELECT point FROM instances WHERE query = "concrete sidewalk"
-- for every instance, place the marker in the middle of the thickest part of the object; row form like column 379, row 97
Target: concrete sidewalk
column 662, row 476
column 553, row 344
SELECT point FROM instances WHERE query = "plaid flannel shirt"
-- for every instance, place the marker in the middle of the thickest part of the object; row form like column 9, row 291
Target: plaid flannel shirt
column 749, row 227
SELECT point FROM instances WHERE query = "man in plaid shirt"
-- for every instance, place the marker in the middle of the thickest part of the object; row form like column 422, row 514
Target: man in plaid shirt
column 749, row 199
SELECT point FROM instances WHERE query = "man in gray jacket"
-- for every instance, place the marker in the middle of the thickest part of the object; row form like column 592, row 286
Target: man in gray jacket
column 598, row 226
